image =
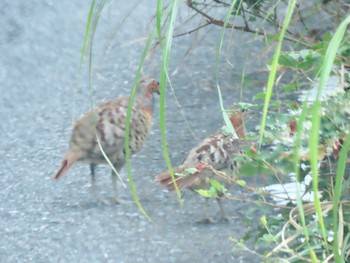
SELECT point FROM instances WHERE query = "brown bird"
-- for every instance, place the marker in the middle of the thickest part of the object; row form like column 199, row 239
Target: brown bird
column 213, row 158
column 107, row 122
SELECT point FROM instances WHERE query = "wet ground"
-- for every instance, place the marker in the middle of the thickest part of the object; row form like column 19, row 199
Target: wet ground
column 42, row 92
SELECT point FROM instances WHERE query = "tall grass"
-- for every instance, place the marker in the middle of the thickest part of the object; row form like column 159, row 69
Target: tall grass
column 325, row 72
column 161, row 17
column 92, row 22
column 223, row 30
column 297, row 173
column 163, row 79
column 165, row 21
column 273, row 69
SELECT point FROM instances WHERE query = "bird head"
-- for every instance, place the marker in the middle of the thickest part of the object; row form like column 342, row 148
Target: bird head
column 152, row 87
column 237, row 117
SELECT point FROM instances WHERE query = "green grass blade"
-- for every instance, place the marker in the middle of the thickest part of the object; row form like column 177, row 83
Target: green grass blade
column 87, row 32
column 313, row 146
column 94, row 22
column 163, row 78
column 82, row 55
column 109, row 161
column 128, row 117
column 345, row 247
column 158, row 21
column 126, row 15
column 314, row 136
column 297, row 144
column 274, row 65
column 224, row 113
column 337, row 192
column 177, row 102
column 94, row 16
column 222, row 34
column 127, row 125
column 330, row 55
column 93, row 19
column 227, row 121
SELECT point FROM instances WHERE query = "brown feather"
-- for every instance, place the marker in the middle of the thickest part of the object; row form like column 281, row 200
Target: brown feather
column 181, row 181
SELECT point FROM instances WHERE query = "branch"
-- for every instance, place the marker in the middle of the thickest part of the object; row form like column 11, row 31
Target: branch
column 216, row 22
column 213, row 21
column 193, row 30
column 182, row 34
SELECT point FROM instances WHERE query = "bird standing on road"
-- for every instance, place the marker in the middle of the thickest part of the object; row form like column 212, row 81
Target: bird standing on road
column 213, row 156
column 107, row 122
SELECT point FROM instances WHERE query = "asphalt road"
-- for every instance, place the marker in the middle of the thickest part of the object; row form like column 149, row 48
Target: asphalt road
column 43, row 91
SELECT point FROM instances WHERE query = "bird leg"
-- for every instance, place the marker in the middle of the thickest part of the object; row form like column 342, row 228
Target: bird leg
column 206, row 219
column 93, row 185
column 114, row 185
column 223, row 216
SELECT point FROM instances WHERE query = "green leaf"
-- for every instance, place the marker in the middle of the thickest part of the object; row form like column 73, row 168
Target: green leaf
column 263, row 221
column 268, row 238
column 241, row 182
column 192, row 170
column 287, row 60
column 254, row 168
column 260, row 96
column 291, row 87
column 204, row 193
column 217, row 186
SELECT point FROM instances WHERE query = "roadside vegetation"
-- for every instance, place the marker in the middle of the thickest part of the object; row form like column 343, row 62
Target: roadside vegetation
column 304, row 110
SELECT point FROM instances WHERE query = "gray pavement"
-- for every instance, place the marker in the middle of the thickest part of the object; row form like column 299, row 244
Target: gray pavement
column 42, row 92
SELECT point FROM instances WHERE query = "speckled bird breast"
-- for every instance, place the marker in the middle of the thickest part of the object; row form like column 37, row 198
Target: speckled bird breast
column 108, row 122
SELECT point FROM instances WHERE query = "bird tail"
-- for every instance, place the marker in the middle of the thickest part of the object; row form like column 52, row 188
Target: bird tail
column 182, row 181
column 67, row 162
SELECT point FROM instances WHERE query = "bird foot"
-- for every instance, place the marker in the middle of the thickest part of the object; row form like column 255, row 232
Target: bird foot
column 99, row 199
column 226, row 218
column 117, row 200
column 206, row 220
